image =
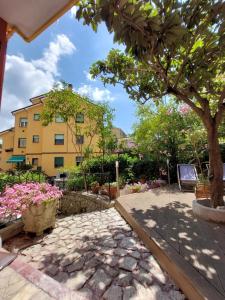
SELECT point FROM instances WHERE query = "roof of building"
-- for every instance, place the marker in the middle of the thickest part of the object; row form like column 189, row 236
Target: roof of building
column 24, row 108
column 7, row 130
column 40, row 97
column 118, row 132
column 30, row 18
column 38, row 100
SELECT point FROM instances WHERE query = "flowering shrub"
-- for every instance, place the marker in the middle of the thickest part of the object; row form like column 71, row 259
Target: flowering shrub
column 184, row 109
column 19, row 197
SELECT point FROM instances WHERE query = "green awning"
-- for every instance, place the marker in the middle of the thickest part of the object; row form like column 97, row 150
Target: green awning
column 16, row 159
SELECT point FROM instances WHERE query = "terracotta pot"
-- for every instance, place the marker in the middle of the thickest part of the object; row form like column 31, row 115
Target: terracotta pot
column 142, row 180
column 37, row 218
column 95, row 189
column 112, row 191
column 202, row 190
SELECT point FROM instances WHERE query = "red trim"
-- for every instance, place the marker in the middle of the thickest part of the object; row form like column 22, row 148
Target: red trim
column 42, row 281
column 3, row 48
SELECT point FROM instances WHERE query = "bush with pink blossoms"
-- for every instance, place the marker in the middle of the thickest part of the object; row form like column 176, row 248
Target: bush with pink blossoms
column 16, row 199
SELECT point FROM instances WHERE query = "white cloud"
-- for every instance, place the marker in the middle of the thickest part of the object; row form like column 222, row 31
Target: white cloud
column 88, row 76
column 25, row 79
column 61, row 46
column 95, row 93
column 73, row 11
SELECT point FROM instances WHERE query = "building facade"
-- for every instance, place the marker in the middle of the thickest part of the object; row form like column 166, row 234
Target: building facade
column 47, row 148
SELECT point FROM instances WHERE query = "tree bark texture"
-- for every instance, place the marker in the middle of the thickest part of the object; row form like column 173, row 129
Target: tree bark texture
column 215, row 167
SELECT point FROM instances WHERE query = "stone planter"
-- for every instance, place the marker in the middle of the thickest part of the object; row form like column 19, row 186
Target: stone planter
column 202, row 209
column 40, row 217
column 202, row 191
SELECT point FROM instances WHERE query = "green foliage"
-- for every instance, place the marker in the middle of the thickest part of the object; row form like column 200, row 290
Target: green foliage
column 126, row 163
column 159, row 130
column 171, row 48
column 76, row 181
column 130, row 167
column 23, row 167
column 20, row 177
column 64, row 102
column 147, row 168
column 170, row 131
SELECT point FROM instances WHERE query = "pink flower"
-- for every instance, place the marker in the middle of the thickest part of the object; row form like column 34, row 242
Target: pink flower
column 19, row 197
column 184, row 109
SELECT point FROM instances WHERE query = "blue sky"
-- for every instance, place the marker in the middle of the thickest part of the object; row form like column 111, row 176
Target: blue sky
column 65, row 51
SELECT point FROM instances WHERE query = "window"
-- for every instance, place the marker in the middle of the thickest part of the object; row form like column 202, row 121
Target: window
column 34, row 161
column 1, row 143
column 36, row 138
column 22, row 143
column 79, row 118
column 37, row 117
column 59, row 139
column 79, row 159
column 23, row 122
column 59, row 119
column 79, row 139
column 59, row 162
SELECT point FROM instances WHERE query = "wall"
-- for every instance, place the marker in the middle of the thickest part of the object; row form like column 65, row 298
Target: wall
column 45, row 150
column 7, row 139
column 76, row 203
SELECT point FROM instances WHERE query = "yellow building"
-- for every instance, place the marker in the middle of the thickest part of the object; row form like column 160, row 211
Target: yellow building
column 45, row 147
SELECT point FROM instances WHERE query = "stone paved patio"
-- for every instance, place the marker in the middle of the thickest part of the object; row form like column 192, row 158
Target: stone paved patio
column 98, row 254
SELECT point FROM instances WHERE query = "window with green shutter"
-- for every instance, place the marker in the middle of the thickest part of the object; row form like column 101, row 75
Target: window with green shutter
column 58, row 162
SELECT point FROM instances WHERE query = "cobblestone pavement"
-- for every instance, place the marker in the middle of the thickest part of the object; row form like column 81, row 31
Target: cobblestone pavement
column 99, row 254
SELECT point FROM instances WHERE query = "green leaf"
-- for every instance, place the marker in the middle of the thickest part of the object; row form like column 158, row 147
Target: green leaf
column 198, row 44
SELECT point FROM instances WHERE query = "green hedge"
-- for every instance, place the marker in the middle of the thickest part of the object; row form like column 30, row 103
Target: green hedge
column 130, row 167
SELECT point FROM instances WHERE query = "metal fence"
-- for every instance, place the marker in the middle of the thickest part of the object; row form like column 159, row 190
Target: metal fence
column 81, row 181
column 11, row 178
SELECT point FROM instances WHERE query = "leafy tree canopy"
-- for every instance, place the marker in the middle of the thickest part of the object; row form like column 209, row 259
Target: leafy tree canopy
column 173, row 47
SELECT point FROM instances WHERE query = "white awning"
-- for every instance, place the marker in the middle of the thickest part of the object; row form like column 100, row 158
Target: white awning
column 30, row 17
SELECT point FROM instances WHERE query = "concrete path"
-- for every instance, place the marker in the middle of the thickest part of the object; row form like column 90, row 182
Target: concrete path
column 166, row 215
column 100, row 256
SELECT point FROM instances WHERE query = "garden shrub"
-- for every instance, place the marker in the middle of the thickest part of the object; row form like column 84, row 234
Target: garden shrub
column 76, row 181
column 131, row 168
column 147, row 168
column 7, row 179
column 126, row 162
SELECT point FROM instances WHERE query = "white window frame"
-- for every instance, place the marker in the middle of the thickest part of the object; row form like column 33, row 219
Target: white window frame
column 23, row 122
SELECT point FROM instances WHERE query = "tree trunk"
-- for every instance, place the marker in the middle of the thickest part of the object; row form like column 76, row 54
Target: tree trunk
column 215, row 167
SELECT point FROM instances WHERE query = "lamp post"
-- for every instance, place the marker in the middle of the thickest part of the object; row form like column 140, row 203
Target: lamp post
column 168, row 169
column 117, row 177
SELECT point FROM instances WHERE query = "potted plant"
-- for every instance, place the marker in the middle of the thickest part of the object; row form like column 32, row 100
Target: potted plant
column 95, row 187
column 143, row 179
column 135, row 188
column 36, row 202
column 111, row 189
column 202, row 189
